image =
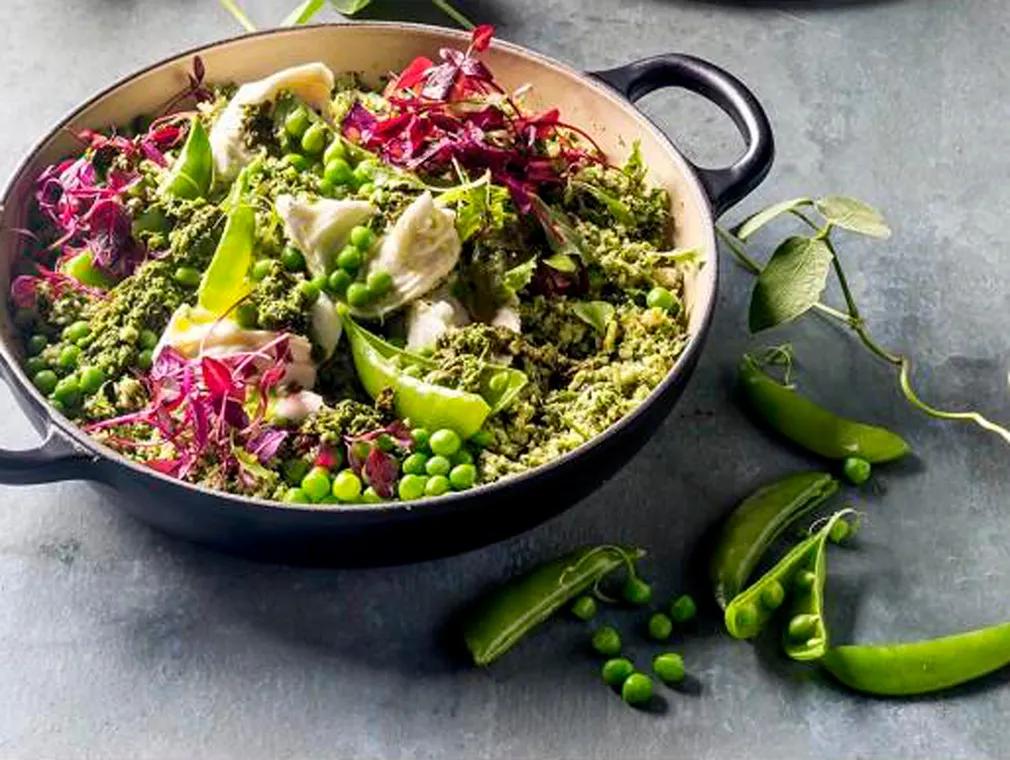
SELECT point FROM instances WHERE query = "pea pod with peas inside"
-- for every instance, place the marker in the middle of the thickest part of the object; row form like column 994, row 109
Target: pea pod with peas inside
column 503, row 617
column 757, row 522
column 193, row 171
column 812, row 426
column 748, row 612
column 381, row 365
column 920, row 667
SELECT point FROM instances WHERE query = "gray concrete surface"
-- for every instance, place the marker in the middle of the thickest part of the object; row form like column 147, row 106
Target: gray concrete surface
column 118, row 642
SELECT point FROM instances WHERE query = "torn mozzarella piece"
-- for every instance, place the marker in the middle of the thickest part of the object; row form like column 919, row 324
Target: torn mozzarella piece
column 326, row 325
column 312, row 83
column 295, row 407
column 194, row 332
column 419, row 251
column 428, row 319
column 507, row 316
column 320, row 228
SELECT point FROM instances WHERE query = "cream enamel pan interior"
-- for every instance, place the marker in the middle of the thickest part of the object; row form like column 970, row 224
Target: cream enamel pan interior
column 373, row 50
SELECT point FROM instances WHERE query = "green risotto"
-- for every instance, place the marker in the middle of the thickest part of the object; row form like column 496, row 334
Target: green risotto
column 306, row 290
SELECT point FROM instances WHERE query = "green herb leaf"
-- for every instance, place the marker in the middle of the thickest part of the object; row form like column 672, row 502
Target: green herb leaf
column 853, row 215
column 762, row 217
column 791, row 283
column 596, row 314
column 562, row 262
column 304, row 13
column 561, row 235
column 350, row 7
column 681, row 256
column 518, row 277
column 617, row 208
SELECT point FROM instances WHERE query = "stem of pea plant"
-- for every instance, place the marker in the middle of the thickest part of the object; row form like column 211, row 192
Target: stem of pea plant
column 235, row 10
column 446, row 7
column 855, row 321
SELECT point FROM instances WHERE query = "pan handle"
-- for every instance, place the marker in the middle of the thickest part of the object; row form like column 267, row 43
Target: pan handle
column 56, row 458
column 728, row 185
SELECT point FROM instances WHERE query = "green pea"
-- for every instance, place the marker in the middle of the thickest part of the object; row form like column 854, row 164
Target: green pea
column 296, row 496
column 309, row 290
column 801, row 627
column 316, row 483
column 292, row 259
column 411, row 487
column 637, row 689
column 314, row 139
column 148, row 339
column 145, row 359
column 349, row 259
column 76, row 331
column 385, row 442
column 660, row 298
column 379, row 283
column 499, row 382
column 358, row 294
column 371, row 496
column 437, row 485
column 616, row 671
column 34, row 365
column 261, row 269
column 92, row 379
column 482, row 438
column 37, row 344
column 607, row 641
column 58, row 406
column 445, row 442
column 745, row 616
column 683, row 608
column 24, row 318
column 420, row 436
column 338, row 282
column 669, row 666
column 365, row 171
column 362, row 238
column 584, row 608
column 463, row 476
column 805, row 580
column 462, row 457
column 857, row 470
column 297, row 121
column 347, row 486
column 69, row 358
column 772, row 595
column 660, row 626
column 636, row 591
column 68, row 391
column 366, row 190
column 414, row 464
column 294, row 470
column 338, row 171
column 187, row 277
column 247, row 315
column 438, row 465
column 45, row 381
column 336, row 150
column 297, row 161
column 327, row 188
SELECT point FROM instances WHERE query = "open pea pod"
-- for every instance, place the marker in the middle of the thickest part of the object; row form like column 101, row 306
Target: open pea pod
column 757, row 522
column 750, row 610
column 434, row 406
column 193, row 171
column 226, row 281
column 499, row 620
column 812, row 426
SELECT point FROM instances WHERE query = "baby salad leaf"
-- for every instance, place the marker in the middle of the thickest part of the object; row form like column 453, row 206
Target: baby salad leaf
column 791, row 283
column 617, row 208
column 562, row 262
column 853, row 215
column 518, row 277
column 304, row 13
column 596, row 314
column 761, row 218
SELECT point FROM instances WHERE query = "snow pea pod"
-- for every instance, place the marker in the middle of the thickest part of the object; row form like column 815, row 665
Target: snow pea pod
column 193, row 171
column 226, row 280
column 426, row 404
column 499, row 620
column 812, row 426
column 748, row 612
column 920, row 667
column 757, row 522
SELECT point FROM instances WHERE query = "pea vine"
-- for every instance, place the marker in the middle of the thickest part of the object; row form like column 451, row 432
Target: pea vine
column 307, row 10
column 793, row 280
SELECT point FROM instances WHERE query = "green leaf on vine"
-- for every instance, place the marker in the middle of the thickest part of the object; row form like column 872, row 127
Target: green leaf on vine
column 761, row 218
column 791, row 283
column 853, row 215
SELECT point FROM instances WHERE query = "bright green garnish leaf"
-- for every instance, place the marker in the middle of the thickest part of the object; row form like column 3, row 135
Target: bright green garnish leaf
column 596, row 314
column 617, row 208
column 791, row 283
column 562, row 262
column 681, row 256
column 518, row 277
column 304, row 13
column 761, row 218
column 853, row 215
